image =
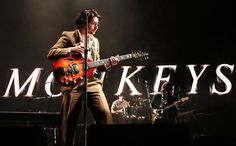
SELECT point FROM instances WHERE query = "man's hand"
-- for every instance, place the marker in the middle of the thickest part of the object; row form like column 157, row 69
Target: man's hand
column 113, row 60
column 77, row 50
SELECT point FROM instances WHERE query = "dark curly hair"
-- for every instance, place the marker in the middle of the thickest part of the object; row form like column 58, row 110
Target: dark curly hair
column 80, row 20
column 167, row 87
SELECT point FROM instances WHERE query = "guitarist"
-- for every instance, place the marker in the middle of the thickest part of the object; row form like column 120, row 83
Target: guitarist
column 166, row 113
column 71, row 43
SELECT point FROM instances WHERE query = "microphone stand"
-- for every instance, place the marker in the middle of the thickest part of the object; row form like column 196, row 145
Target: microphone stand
column 85, row 80
column 149, row 101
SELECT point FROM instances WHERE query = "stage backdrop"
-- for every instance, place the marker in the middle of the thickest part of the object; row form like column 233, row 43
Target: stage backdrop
column 189, row 42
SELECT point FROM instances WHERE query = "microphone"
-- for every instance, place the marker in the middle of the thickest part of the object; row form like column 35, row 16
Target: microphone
column 146, row 83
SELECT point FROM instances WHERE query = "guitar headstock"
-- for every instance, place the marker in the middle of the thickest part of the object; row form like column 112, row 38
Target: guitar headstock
column 140, row 55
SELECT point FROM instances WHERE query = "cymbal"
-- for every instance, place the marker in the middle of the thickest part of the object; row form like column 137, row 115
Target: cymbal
column 194, row 112
column 139, row 99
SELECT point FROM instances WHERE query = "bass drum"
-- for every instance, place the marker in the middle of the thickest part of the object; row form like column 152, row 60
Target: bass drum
column 136, row 114
column 130, row 112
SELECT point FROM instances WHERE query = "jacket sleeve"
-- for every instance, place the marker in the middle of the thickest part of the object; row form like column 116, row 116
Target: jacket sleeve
column 58, row 50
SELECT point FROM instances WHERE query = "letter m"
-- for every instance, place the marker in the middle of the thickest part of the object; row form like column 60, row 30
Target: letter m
column 15, row 79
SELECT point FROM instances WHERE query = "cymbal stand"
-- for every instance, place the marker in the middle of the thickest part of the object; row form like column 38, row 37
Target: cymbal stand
column 149, row 101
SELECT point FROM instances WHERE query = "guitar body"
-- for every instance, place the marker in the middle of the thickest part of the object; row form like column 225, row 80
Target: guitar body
column 69, row 71
column 156, row 114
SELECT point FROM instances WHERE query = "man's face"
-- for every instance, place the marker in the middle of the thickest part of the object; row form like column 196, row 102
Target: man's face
column 121, row 98
column 93, row 25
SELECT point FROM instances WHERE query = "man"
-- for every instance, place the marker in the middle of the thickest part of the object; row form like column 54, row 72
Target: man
column 71, row 44
column 119, row 109
column 168, row 106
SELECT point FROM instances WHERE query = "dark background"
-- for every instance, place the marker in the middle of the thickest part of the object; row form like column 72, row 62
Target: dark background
column 173, row 32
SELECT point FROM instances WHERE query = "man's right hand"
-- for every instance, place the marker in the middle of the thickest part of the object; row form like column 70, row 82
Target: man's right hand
column 78, row 51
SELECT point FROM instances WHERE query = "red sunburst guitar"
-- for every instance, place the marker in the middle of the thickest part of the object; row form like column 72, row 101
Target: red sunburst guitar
column 69, row 71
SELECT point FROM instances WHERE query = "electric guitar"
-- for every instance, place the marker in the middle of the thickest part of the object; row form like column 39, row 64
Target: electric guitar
column 157, row 113
column 69, row 71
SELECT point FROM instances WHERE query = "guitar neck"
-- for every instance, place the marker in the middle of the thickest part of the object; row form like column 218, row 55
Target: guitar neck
column 105, row 61
column 169, row 106
column 176, row 103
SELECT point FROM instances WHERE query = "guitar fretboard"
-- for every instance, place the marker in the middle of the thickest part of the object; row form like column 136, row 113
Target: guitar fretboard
column 105, row 61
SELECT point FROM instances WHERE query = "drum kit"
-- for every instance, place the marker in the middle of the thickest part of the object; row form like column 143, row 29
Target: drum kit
column 138, row 111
